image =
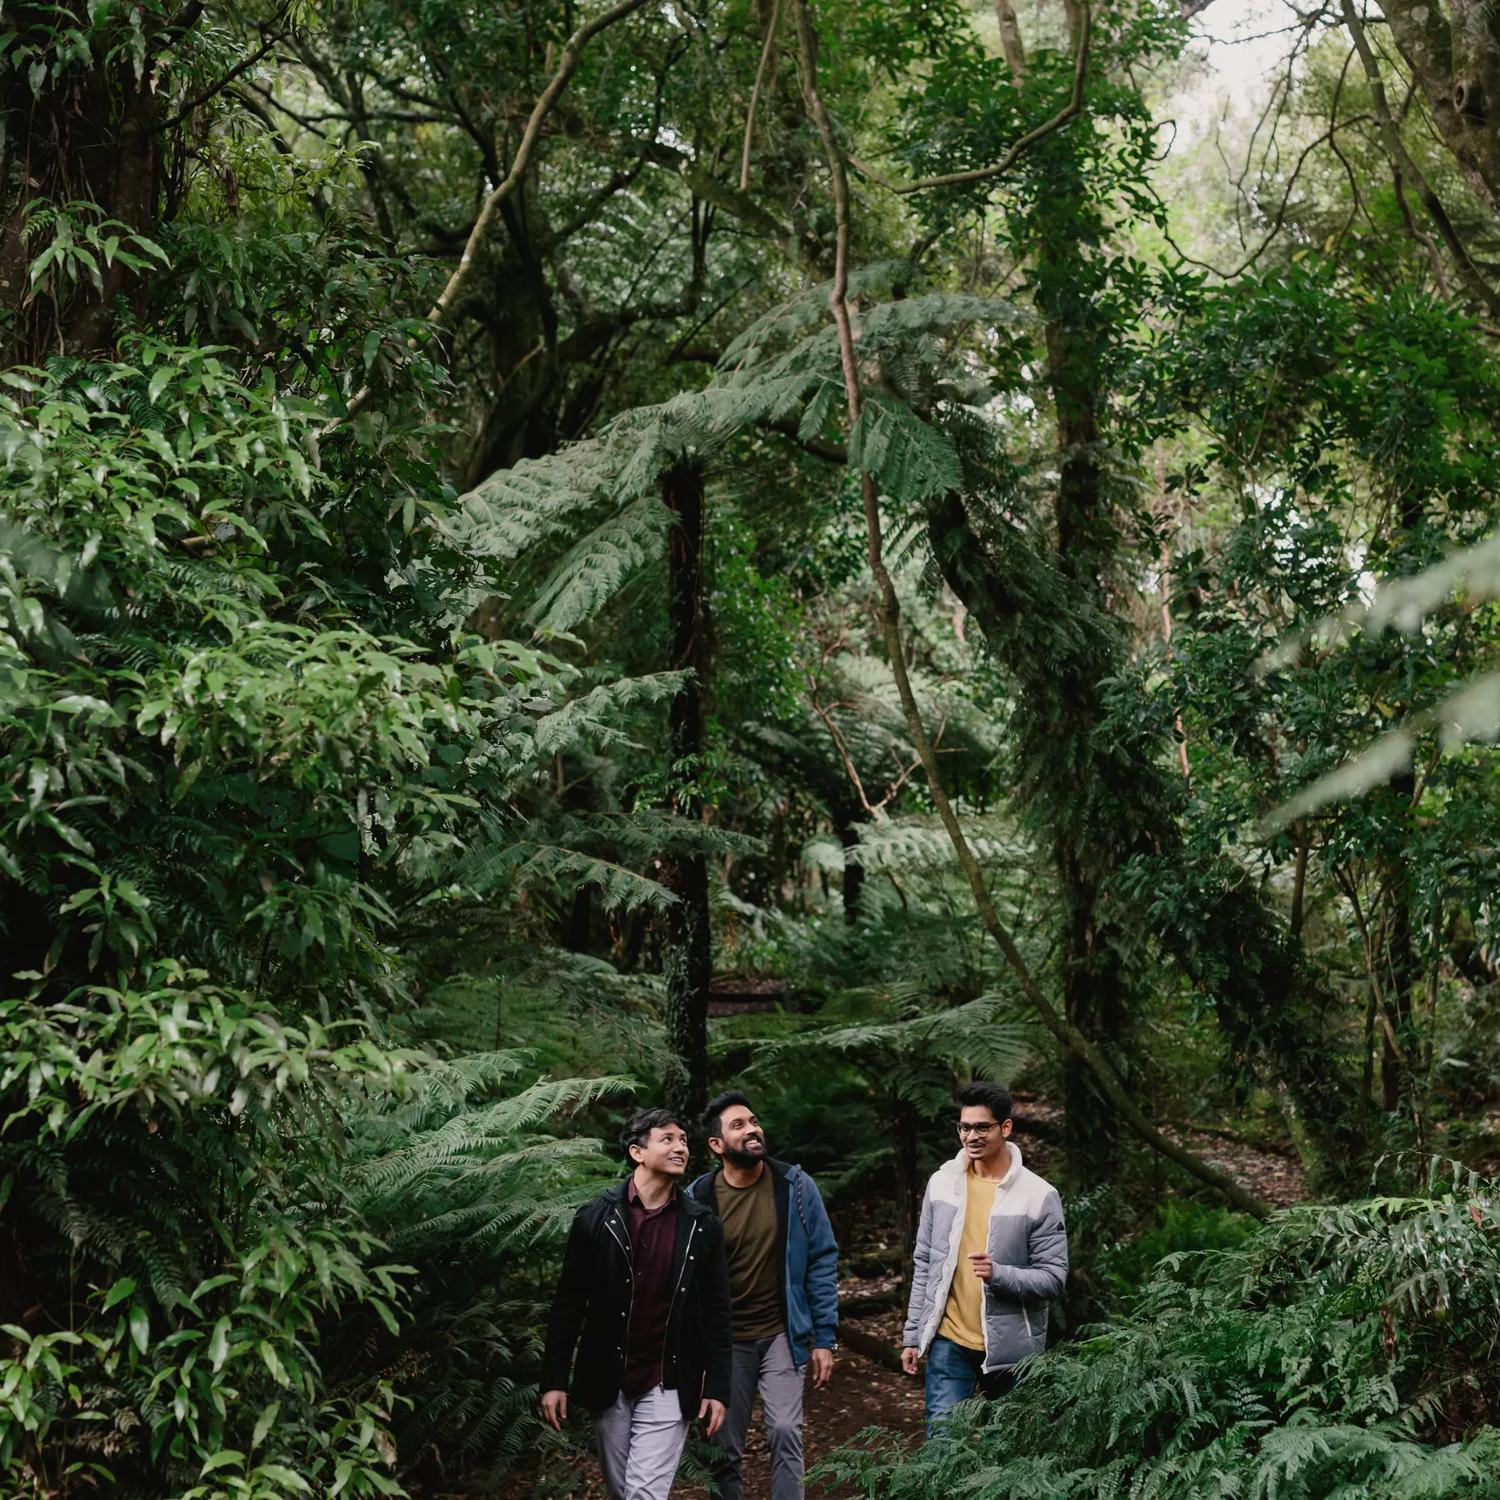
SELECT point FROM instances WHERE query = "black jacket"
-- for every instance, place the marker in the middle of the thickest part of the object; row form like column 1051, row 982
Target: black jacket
column 591, row 1309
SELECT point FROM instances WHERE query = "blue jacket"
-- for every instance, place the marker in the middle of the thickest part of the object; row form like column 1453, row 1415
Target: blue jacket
column 810, row 1291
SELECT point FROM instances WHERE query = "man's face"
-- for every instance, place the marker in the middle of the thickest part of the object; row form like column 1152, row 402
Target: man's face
column 665, row 1150
column 980, row 1134
column 740, row 1138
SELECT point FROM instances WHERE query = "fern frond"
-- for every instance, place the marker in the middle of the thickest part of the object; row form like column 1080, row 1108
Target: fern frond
column 599, row 564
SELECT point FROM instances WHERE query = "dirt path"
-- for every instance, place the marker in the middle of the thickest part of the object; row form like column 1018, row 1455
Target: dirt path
column 862, row 1393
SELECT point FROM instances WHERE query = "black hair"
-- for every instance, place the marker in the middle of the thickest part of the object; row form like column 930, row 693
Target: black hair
column 638, row 1128
column 981, row 1091
column 713, row 1116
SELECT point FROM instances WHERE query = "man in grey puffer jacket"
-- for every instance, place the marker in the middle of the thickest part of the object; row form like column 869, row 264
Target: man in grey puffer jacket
column 991, row 1250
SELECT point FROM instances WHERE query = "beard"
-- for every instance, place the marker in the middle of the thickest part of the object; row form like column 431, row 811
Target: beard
column 742, row 1158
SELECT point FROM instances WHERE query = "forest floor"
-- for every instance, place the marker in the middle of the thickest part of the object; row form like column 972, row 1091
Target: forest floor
column 866, row 1391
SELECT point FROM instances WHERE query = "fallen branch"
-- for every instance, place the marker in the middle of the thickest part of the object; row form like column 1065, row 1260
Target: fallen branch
column 863, row 1303
column 870, row 1345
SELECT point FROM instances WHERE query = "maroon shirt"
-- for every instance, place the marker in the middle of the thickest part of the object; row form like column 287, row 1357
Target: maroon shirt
column 653, row 1242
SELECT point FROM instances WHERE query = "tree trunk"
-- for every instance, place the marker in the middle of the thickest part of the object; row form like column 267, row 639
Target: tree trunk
column 1271, row 1010
column 1456, row 65
column 904, row 1126
column 88, row 137
column 1072, row 781
column 687, row 960
column 1402, row 967
column 854, row 871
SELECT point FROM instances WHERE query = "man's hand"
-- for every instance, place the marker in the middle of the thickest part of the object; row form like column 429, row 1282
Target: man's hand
column 554, row 1409
column 910, row 1358
column 712, row 1414
column 822, row 1368
column 983, row 1266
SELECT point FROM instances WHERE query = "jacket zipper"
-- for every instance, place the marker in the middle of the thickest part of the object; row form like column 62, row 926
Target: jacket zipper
column 629, row 1306
column 672, row 1305
column 984, row 1300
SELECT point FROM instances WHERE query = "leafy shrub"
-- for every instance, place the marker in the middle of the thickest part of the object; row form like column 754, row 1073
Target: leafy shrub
column 240, row 802
column 1180, row 1226
column 1338, row 1351
column 182, row 1203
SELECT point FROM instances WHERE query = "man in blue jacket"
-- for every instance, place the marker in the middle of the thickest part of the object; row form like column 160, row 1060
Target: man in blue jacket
column 783, row 1290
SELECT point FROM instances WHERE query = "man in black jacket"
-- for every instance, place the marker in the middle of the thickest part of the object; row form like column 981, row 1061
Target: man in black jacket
column 644, row 1300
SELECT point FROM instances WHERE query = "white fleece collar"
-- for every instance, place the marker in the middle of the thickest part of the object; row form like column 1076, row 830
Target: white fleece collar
column 958, row 1168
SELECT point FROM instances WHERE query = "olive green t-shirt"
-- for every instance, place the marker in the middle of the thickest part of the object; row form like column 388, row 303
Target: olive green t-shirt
column 751, row 1244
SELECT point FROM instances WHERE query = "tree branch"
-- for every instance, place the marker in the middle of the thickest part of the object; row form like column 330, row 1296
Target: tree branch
column 621, row 177
column 567, row 65
column 1470, row 274
column 1011, row 157
column 760, row 78
column 201, row 99
column 1010, row 38
column 571, row 53
column 1278, row 220
column 834, row 453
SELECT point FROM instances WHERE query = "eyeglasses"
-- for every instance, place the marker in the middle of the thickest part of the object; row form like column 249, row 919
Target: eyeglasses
column 966, row 1129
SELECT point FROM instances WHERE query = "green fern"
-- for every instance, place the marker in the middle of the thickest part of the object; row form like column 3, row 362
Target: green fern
column 598, row 565
column 1293, row 1367
column 910, row 459
column 599, row 497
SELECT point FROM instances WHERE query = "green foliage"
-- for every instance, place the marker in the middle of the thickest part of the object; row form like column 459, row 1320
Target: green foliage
column 72, row 240
column 600, row 496
column 1180, row 1227
column 215, row 747
column 901, row 1052
column 472, row 1176
column 161, row 1139
column 331, row 851
column 1335, row 1351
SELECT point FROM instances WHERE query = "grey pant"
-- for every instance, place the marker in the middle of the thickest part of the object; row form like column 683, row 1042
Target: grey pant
column 767, row 1364
column 640, row 1442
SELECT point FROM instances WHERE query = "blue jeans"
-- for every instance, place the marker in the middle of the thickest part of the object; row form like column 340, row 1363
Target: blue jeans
column 954, row 1373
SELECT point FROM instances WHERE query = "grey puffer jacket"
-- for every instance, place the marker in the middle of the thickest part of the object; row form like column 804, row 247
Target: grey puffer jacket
column 1027, row 1242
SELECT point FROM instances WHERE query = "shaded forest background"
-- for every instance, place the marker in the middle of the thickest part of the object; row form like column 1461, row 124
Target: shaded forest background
column 556, row 556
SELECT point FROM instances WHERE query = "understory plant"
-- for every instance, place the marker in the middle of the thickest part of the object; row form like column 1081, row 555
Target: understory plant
column 1338, row 1351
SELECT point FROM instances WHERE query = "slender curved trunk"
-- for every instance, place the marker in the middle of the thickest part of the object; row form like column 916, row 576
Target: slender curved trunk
column 687, row 960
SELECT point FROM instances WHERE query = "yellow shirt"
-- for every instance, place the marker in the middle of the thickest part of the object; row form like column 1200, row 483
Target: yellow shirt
column 963, row 1317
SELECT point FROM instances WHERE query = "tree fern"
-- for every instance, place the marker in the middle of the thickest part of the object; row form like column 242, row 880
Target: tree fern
column 784, row 368
column 520, row 861
column 977, row 1034
column 595, row 568
column 596, row 718
column 470, row 1172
